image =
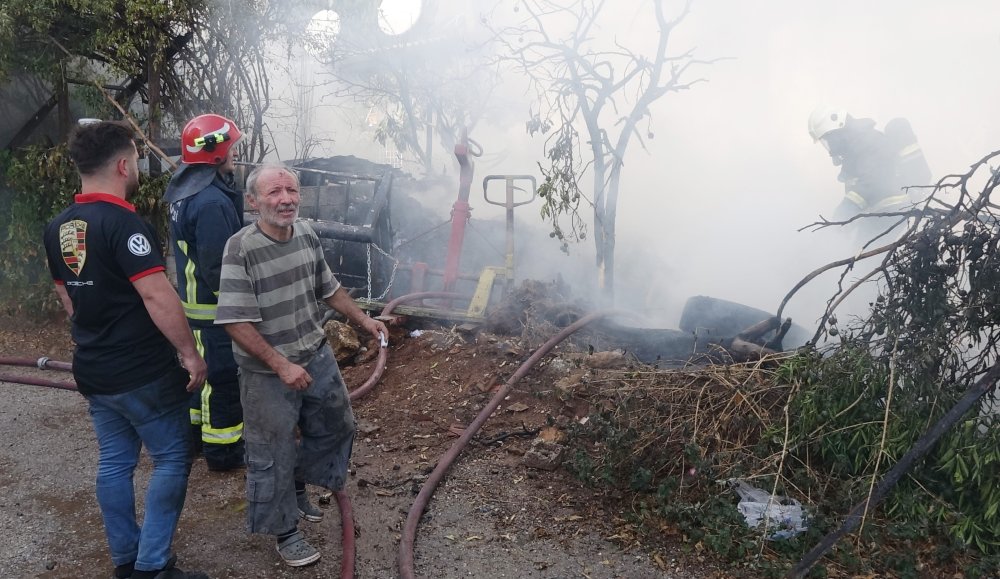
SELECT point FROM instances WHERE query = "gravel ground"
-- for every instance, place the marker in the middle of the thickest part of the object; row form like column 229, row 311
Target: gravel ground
column 483, row 522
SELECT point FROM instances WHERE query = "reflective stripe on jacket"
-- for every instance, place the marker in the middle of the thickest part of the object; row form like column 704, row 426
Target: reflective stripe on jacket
column 883, row 205
column 200, row 225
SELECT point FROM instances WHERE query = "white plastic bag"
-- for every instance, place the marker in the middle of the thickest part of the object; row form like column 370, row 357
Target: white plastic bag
column 785, row 516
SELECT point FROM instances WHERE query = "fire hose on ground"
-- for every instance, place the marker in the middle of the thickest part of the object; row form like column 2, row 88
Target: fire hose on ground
column 42, row 363
column 408, row 538
column 383, row 351
column 405, row 556
column 346, row 534
column 343, row 501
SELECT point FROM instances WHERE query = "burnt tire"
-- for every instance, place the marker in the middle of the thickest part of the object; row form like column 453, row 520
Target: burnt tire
column 717, row 319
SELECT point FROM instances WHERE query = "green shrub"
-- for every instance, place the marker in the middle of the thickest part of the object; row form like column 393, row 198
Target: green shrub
column 38, row 184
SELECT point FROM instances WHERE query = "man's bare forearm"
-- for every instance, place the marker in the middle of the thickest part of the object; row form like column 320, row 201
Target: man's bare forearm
column 344, row 303
column 248, row 338
column 64, row 299
column 246, row 335
column 165, row 309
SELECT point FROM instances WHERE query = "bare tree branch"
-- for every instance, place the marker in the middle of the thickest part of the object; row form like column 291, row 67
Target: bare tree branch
column 582, row 85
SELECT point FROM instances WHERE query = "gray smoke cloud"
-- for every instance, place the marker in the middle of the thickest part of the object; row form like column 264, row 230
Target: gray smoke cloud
column 714, row 205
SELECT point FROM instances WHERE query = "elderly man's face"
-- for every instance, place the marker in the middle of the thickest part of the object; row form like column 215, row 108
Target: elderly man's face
column 276, row 197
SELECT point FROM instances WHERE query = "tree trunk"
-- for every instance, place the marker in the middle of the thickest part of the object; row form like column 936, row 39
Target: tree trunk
column 600, row 170
column 153, row 132
column 610, row 225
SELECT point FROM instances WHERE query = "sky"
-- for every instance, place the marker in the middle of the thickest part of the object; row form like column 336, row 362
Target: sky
column 712, row 207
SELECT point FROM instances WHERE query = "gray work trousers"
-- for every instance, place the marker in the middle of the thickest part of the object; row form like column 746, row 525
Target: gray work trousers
column 271, row 411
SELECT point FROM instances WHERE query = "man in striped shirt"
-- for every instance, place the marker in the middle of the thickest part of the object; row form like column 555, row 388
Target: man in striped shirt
column 273, row 277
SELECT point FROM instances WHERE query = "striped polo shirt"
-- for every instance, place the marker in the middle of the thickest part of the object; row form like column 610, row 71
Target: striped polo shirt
column 276, row 286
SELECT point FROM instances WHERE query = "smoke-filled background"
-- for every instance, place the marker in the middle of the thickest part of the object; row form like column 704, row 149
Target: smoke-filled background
column 712, row 207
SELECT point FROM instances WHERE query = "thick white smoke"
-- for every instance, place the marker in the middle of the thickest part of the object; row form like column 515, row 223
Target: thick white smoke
column 713, row 207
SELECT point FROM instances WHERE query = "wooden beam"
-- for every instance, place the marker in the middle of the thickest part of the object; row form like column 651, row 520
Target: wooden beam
column 29, row 127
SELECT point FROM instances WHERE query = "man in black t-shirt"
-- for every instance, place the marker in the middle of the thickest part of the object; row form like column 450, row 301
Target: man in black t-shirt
column 129, row 328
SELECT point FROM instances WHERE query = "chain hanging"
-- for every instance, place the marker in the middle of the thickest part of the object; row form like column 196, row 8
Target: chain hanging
column 392, row 277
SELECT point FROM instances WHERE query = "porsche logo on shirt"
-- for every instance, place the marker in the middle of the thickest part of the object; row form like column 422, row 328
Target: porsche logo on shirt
column 73, row 241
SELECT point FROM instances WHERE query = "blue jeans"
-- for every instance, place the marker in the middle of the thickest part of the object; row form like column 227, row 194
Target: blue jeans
column 154, row 415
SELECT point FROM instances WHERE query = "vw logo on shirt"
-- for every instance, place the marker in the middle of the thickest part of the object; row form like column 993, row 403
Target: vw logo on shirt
column 139, row 245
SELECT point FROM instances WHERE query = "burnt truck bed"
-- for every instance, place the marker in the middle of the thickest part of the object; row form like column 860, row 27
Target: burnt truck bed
column 350, row 213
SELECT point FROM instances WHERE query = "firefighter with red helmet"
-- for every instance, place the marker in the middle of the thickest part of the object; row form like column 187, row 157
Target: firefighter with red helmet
column 205, row 210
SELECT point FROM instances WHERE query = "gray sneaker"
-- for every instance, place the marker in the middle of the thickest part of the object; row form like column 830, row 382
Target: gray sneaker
column 296, row 552
column 307, row 510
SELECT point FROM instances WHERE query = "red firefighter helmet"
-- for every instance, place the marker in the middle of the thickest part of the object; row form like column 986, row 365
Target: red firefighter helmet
column 206, row 139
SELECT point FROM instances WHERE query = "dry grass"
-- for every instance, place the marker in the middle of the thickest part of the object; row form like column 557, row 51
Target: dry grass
column 719, row 412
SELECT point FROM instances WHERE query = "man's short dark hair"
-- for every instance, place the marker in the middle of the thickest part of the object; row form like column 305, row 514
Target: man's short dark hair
column 92, row 145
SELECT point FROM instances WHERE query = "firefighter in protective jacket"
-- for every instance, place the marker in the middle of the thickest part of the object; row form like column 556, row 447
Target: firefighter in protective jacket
column 875, row 166
column 205, row 210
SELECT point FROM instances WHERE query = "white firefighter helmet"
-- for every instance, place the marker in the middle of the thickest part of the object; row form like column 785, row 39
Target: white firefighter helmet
column 825, row 119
